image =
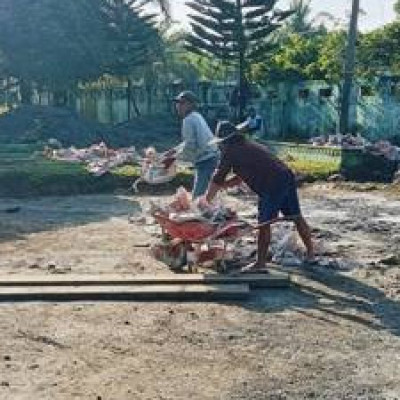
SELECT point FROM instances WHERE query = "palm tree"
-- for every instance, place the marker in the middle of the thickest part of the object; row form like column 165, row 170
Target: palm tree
column 300, row 21
column 164, row 5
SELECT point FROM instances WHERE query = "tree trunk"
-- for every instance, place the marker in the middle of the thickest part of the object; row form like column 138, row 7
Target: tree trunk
column 129, row 98
column 109, row 102
column 25, row 91
column 242, row 49
column 349, row 69
column 60, row 98
column 132, row 101
column 149, row 99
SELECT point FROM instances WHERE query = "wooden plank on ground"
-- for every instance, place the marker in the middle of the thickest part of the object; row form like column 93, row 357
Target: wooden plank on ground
column 127, row 293
column 274, row 279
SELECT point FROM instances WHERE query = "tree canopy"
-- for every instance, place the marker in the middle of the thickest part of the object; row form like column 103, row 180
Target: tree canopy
column 235, row 32
column 379, row 50
column 55, row 43
column 397, row 8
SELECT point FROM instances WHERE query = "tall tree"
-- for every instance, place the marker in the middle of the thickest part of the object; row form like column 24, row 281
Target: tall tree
column 133, row 41
column 296, row 60
column 300, row 22
column 397, row 8
column 49, row 42
column 236, row 32
column 55, row 44
column 379, row 51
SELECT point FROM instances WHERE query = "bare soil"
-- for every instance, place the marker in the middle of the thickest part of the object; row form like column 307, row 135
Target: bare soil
column 333, row 335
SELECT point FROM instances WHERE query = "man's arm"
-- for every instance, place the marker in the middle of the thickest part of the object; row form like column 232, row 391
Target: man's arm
column 218, row 180
column 189, row 141
column 213, row 189
column 232, row 182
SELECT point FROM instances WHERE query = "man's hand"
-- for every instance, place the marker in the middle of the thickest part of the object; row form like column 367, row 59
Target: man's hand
column 170, row 153
column 168, row 161
column 212, row 191
column 232, row 182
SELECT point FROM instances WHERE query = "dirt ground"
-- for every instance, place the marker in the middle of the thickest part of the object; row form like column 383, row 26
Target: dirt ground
column 333, row 335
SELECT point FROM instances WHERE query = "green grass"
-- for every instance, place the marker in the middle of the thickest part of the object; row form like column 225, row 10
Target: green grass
column 315, row 170
column 23, row 176
column 3, row 109
column 26, row 149
column 55, row 178
column 40, row 177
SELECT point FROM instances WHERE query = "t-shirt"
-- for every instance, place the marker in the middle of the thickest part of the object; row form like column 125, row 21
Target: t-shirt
column 196, row 135
column 254, row 123
column 255, row 165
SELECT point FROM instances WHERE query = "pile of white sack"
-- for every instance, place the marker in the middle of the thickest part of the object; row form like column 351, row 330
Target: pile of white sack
column 98, row 158
column 381, row 147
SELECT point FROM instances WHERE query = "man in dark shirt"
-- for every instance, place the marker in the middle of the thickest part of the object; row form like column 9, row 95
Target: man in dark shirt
column 268, row 177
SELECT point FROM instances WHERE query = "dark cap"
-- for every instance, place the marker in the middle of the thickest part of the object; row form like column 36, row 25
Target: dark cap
column 224, row 131
column 187, row 95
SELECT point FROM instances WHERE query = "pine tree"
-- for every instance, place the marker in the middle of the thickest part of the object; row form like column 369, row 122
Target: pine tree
column 236, row 32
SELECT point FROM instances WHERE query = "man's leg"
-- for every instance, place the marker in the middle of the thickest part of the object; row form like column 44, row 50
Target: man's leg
column 305, row 234
column 264, row 240
column 291, row 207
column 204, row 171
column 267, row 210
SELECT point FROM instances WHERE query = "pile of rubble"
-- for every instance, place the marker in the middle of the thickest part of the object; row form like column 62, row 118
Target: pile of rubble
column 184, row 209
column 98, row 158
column 381, row 147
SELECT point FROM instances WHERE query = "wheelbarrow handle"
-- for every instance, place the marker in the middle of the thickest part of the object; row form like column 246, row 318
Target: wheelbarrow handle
column 274, row 220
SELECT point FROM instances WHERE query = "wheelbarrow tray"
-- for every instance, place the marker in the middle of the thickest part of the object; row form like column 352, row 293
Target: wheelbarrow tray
column 198, row 231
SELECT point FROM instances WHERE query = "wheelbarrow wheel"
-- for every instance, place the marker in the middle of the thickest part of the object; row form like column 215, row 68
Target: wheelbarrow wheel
column 221, row 267
column 192, row 268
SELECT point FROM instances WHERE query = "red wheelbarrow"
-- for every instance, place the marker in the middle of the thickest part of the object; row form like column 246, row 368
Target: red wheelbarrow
column 194, row 242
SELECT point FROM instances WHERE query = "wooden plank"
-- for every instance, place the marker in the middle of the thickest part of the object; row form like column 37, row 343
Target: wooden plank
column 274, row 279
column 126, row 293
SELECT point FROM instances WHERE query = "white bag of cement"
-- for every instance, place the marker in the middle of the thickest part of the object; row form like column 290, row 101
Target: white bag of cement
column 289, row 251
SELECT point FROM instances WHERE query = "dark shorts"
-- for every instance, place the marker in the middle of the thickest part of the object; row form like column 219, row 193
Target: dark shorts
column 287, row 202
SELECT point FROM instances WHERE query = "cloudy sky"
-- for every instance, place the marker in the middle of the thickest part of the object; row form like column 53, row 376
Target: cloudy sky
column 378, row 12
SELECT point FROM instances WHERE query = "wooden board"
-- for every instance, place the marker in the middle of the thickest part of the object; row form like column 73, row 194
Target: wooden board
column 274, row 279
column 178, row 292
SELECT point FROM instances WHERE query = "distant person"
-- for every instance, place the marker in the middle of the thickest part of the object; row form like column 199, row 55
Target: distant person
column 239, row 98
column 197, row 149
column 268, row 177
column 252, row 125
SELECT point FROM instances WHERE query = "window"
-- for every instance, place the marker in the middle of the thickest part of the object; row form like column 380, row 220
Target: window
column 366, row 91
column 325, row 92
column 304, row 94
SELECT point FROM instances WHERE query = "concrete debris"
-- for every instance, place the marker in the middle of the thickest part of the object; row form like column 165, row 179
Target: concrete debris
column 183, row 209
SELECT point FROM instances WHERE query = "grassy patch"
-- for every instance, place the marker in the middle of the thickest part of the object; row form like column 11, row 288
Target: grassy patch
column 40, row 177
column 315, row 170
column 52, row 178
column 3, row 109
column 22, row 175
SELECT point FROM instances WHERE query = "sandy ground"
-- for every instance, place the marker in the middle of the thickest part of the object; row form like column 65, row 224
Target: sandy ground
column 334, row 335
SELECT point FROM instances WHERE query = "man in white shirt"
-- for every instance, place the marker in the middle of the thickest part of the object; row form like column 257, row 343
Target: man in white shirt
column 196, row 136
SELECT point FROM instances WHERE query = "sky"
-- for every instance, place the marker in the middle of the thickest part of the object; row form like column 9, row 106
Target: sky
column 378, row 12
